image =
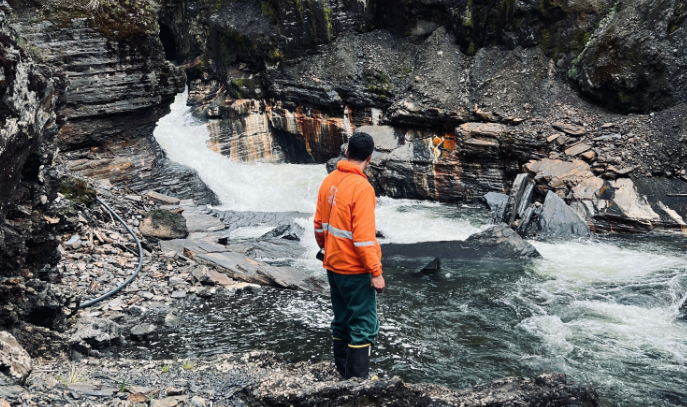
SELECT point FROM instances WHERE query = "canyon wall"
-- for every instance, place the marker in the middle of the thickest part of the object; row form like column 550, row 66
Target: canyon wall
column 118, row 84
column 470, row 91
column 31, row 306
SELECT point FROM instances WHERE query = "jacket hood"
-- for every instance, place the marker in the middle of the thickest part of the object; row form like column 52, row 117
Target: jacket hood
column 347, row 166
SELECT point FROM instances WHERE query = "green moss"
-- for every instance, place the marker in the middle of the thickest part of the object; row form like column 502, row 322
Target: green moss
column 471, row 49
column 242, row 86
column 78, row 190
column 276, row 55
column 243, row 82
column 544, row 38
column 268, row 10
column 378, row 82
column 327, row 12
column 296, row 5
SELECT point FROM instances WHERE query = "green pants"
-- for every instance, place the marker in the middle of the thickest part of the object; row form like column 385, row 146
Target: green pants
column 354, row 303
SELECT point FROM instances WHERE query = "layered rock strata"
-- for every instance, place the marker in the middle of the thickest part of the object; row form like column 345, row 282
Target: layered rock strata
column 466, row 114
column 555, row 198
column 31, row 304
column 118, row 85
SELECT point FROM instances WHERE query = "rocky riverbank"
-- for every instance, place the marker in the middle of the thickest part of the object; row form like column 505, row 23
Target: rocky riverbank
column 262, row 379
column 98, row 254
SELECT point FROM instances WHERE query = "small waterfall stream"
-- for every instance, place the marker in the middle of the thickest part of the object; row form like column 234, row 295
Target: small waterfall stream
column 605, row 312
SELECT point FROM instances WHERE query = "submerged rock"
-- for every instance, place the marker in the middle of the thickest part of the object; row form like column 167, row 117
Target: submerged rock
column 15, row 362
column 432, row 267
column 164, row 224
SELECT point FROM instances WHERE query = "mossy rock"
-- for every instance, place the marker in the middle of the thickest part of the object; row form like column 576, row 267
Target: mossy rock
column 78, row 190
column 164, row 224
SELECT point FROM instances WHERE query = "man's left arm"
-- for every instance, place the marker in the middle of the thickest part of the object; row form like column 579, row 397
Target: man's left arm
column 364, row 231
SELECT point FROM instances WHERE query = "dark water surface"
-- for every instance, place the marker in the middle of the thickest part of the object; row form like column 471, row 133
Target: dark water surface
column 603, row 312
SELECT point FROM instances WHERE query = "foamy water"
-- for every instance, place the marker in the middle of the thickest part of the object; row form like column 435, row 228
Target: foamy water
column 289, row 187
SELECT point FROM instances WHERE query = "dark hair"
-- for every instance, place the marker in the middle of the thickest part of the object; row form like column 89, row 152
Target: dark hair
column 360, row 146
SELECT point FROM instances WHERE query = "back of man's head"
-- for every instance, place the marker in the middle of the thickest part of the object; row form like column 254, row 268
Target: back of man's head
column 360, row 146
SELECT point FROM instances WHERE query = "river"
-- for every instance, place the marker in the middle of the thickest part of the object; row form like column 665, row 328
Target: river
column 603, row 311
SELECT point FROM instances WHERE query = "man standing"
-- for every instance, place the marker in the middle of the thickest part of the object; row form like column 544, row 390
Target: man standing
column 345, row 229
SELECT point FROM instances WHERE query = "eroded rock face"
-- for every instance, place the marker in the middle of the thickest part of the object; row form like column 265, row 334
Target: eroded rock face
column 112, row 106
column 15, row 362
column 636, row 61
column 29, row 185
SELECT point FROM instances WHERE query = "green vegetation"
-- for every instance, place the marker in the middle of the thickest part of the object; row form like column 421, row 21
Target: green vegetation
column 240, row 86
column 187, row 365
column 471, row 49
column 406, row 71
column 78, row 190
column 165, row 369
column 75, row 376
column 34, row 52
column 328, row 22
column 378, row 82
column 268, row 10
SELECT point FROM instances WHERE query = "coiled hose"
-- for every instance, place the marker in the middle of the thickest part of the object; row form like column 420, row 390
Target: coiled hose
column 128, row 280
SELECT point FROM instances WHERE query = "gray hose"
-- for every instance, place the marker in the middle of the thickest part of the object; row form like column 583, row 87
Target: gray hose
column 128, row 280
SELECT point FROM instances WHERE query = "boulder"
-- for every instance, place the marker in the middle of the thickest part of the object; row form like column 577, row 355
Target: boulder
column 577, row 149
column 506, row 242
column 143, row 330
column 555, row 173
column 164, row 224
column 557, row 219
column 15, row 362
column 489, row 130
column 498, row 203
column 289, row 231
column 569, row 129
column 95, row 333
column 162, row 199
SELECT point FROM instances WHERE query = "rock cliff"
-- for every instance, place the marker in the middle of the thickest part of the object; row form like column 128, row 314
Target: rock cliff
column 467, row 92
column 118, row 84
column 29, row 182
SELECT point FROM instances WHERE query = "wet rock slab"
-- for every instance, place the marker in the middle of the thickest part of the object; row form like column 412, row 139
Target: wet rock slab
column 242, row 268
column 499, row 241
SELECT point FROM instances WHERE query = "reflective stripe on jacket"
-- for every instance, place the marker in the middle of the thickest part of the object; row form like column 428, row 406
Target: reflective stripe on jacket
column 349, row 235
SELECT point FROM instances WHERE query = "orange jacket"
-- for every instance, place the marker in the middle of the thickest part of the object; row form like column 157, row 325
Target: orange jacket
column 348, row 234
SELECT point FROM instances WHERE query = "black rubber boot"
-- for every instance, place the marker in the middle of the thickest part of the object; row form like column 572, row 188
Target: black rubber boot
column 340, row 356
column 358, row 362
